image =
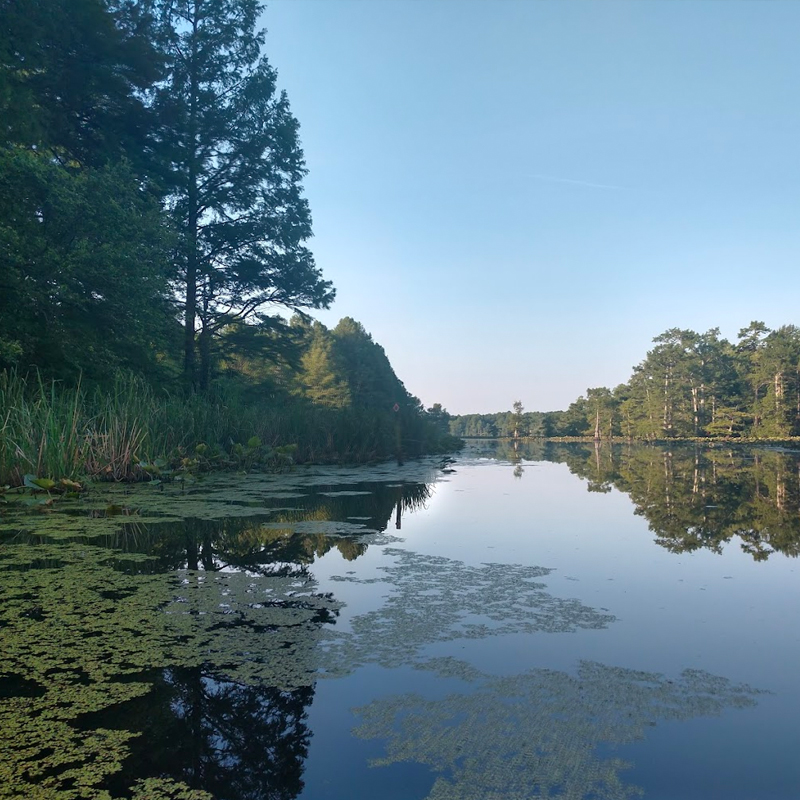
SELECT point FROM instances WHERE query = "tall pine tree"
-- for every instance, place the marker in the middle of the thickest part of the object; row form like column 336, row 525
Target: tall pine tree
column 236, row 168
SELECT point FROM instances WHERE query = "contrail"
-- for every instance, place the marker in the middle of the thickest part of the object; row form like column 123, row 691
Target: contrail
column 576, row 183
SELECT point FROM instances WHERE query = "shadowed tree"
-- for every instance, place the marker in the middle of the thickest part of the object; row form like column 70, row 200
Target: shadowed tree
column 236, row 166
column 84, row 272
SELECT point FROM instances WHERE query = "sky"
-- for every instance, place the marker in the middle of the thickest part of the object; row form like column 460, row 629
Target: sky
column 515, row 196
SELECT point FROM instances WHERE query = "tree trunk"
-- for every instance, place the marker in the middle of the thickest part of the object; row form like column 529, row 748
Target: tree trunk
column 190, row 309
column 205, row 359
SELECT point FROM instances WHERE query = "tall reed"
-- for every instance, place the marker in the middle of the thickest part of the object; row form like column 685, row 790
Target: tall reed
column 56, row 431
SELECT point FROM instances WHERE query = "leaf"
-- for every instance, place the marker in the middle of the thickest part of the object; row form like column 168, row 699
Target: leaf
column 38, row 484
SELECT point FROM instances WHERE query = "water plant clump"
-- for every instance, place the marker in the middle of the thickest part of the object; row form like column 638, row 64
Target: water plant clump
column 85, row 636
column 131, row 431
column 540, row 733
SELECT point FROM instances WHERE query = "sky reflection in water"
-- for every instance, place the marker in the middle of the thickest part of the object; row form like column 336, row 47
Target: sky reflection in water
column 515, row 636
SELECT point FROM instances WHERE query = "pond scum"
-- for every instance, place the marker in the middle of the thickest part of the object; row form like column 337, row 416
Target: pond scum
column 104, row 606
column 537, row 734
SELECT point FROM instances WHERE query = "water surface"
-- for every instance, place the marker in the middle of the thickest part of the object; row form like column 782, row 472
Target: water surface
column 554, row 621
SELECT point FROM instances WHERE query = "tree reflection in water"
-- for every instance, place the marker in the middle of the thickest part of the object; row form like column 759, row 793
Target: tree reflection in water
column 173, row 659
column 694, row 496
column 234, row 741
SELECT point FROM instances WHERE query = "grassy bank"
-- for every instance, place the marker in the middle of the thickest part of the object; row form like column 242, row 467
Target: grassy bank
column 54, row 431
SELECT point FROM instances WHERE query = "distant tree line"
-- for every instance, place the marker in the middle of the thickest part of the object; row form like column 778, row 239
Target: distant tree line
column 529, row 424
column 690, row 385
column 700, row 385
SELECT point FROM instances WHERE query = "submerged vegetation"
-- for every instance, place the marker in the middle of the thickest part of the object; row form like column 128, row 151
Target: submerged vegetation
column 543, row 733
column 153, row 654
column 167, row 642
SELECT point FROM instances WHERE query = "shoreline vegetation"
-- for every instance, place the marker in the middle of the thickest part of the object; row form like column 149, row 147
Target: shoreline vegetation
column 704, row 440
column 690, row 387
column 133, row 432
column 156, row 278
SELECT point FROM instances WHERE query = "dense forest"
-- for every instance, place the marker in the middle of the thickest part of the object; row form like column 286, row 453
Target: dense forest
column 156, row 275
column 690, row 385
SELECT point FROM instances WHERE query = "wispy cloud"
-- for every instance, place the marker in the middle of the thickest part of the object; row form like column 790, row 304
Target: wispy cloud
column 553, row 179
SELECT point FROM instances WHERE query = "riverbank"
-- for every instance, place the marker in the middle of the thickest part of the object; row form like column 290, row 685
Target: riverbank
column 704, row 440
column 130, row 431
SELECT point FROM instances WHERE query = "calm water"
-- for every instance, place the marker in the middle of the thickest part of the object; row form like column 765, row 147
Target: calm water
column 562, row 621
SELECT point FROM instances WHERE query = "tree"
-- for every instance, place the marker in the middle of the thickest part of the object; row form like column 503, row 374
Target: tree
column 601, row 405
column 321, row 377
column 366, row 369
column 232, row 150
column 439, row 417
column 516, row 419
column 73, row 73
column 83, row 286
column 83, row 277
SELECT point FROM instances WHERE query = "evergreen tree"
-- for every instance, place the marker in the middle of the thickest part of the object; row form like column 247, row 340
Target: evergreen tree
column 83, row 276
column 371, row 380
column 321, row 375
column 516, row 428
column 236, row 166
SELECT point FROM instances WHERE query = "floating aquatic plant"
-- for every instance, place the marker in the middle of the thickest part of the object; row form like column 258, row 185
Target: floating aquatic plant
column 538, row 734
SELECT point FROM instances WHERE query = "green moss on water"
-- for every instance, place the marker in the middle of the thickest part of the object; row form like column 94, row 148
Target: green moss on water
column 133, row 601
column 538, row 734
column 87, row 635
column 96, row 601
column 431, row 599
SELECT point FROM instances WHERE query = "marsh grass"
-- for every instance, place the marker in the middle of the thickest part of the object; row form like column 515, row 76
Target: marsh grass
column 52, row 430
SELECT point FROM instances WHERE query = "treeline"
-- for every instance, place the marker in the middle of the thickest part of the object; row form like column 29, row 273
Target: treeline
column 153, row 225
column 689, row 386
column 693, row 385
column 531, row 424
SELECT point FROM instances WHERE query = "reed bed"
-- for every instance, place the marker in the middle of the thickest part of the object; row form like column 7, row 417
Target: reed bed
column 56, row 431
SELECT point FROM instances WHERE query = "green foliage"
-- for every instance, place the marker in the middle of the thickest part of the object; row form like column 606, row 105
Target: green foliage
column 693, row 385
column 84, row 283
column 133, row 432
column 529, row 424
column 322, row 377
column 235, row 166
column 145, row 150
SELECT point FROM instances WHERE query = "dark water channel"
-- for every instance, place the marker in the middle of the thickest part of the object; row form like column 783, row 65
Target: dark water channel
column 559, row 621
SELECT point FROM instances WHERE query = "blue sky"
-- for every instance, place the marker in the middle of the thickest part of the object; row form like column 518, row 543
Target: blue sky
column 514, row 197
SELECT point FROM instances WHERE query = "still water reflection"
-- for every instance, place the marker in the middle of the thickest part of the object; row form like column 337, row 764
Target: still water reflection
column 483, row 629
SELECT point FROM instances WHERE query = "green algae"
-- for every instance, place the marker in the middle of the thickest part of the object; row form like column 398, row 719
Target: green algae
column 537, row 734
column 88, row 637
column 432, row 599
column 100, row 608
column 101, row 594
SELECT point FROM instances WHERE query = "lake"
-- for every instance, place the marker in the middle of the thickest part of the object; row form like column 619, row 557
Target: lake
column 555, row 621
